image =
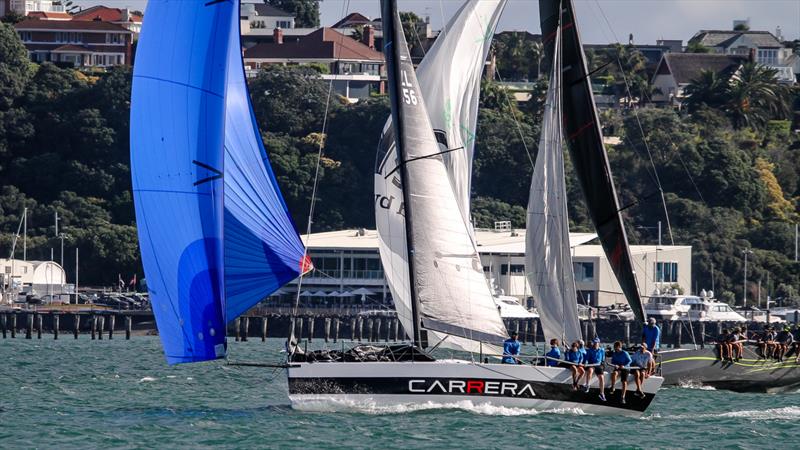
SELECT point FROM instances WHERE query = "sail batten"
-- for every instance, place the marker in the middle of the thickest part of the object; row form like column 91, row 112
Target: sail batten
column 585, row 139
column 449, row 77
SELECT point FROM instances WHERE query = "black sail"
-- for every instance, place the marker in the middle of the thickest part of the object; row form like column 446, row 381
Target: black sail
column 585, row 142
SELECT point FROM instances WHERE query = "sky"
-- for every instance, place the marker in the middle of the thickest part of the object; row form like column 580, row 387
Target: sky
column 601, row 21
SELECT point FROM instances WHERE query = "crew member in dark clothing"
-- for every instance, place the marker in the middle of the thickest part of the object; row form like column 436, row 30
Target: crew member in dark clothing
column 722, row 342
column 511, row 348
column 782, row 343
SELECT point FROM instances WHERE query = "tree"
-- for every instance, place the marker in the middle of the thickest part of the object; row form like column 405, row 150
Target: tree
column 741, row 27
column 15, row 67
column 708, row 89
column 411, row 29
column 519, row 57
column 306, row 12
column 755, row 96
column 696, row 47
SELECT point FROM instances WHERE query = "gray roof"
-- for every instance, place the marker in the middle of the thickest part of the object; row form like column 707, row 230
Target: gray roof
column 686, row 67
column 723, row 38
column 263, row 9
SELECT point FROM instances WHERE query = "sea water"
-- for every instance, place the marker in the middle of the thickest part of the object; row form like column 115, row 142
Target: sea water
column 121, row 394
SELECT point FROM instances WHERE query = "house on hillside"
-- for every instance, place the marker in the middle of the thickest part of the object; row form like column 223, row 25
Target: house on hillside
column 48, row 15
column 123, row 17
column 677, row 70
column 766, row 47
column 356, row 68
column 25, row 7
column 76, row 43
column 261, row 16
column 355, row 19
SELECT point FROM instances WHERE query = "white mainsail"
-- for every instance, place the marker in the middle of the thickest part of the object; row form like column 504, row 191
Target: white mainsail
column 449, row 78
column 548, row 262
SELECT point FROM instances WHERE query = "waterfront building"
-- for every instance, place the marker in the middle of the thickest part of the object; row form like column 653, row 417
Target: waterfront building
column 23, row 7
column 76, row 43
column 348, row 268
column 32, row 277
column 124, row 17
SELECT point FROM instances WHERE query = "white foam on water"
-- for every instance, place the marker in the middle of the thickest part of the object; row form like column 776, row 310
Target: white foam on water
column 785, row 413
column 691, row 384
column 370, row 406
column 146, row 379
column 170, row 376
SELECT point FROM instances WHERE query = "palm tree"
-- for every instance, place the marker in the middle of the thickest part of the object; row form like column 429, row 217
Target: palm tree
column 754, row 96
column 708, row 89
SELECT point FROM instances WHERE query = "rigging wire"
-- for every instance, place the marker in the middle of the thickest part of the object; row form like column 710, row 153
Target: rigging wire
column 639, row 125
column 315, row 185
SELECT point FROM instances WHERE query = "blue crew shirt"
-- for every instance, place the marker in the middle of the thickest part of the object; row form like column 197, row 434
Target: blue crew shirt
column 510, row 348
column 595, row 356
column 555, row 354
column 621, row 358
column 651, row 335
column 575, row 357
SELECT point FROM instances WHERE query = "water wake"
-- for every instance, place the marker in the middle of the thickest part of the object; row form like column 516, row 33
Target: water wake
column 787, row 413
column 373, row 407
column 691, row 384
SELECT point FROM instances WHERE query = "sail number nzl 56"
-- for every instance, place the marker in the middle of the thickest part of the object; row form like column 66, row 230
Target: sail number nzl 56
column 409, row 95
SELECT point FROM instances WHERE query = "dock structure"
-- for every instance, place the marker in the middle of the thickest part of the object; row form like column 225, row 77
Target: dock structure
column 361, row 328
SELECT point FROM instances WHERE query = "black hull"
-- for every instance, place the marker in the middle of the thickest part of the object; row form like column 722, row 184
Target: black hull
column 750, row 374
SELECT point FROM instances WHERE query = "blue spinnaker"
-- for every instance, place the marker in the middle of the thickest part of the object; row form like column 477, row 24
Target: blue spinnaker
column 262, row 249
column 177, row 133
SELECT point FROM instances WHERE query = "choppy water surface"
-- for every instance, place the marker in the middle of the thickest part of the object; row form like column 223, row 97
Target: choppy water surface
column 85, row 394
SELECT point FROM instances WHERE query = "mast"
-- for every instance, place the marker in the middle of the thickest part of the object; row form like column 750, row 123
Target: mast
column 395, row 42
column 585, row 141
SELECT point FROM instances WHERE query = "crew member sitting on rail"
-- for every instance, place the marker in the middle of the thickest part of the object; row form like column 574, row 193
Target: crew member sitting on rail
column 574, row 357
column 651, row 335
column 511, row 349
column 735, row 347
column 646, row 363
column 621, row 361
column 782, row 343
column 554, row 355
column 595, row 362
column 723, row 344
column 766, row 343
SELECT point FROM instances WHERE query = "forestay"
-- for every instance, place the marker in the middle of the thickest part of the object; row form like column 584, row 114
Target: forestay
column 548, row 261
column 177, row 129
column 446, row 273
column 449, row 78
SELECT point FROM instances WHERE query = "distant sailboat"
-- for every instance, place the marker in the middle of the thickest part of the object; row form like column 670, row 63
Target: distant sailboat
column 448, row 292
column 215, row 234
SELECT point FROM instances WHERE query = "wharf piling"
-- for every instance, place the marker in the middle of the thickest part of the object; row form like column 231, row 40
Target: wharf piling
column 128, row 326
column 29, row 327
column 264, row 328
column 56, row 326
column 4, row 324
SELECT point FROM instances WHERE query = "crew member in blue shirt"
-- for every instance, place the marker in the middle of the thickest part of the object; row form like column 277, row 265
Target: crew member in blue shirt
column 511, row 349
column 574, row 358
column 621, row 361
column 554, row 355
column 651, row 335
column 595, row 361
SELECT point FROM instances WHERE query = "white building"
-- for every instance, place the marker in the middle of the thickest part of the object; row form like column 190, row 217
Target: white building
column 23, row 7
column 35, row 277
column 347, row 261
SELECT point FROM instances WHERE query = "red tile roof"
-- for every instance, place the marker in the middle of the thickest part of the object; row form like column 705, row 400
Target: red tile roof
column 352, row 19
column 47, row 15
column 325, row 43
column 105, row 14
column 71, row 48
column 72, row 25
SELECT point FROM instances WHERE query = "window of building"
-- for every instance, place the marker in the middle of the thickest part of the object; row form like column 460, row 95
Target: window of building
column 666, row 272
column 515, row 269
column 767, row 56
column 283, row 24
column 26, row 36
column 69, row 37
column 114, row 38
column 8, row 269
column 584, row 271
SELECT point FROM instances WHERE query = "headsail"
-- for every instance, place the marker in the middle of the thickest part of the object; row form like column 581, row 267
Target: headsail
column 177, row 133
column 548, row 261
column 446, row 274
column 585, row 139
column 262, row 248
column 449, row 77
